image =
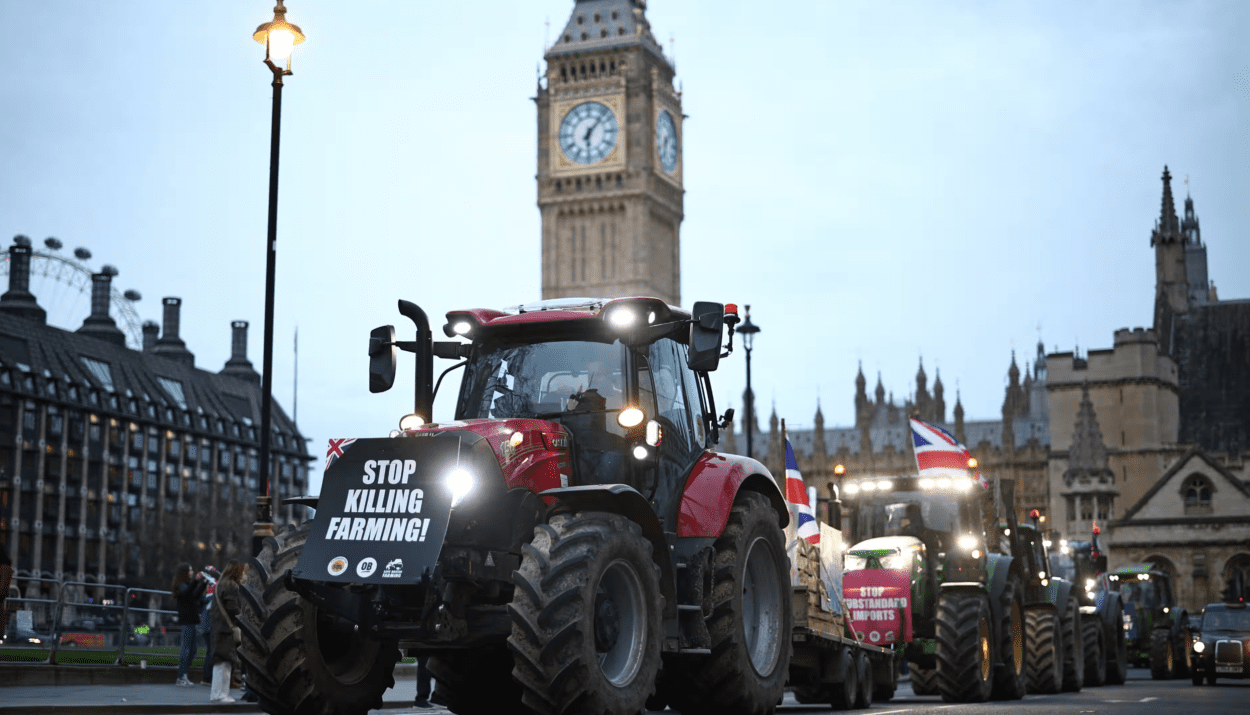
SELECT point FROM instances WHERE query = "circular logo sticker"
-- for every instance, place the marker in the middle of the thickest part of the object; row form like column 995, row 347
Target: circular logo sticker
column 366, row 567
column 337, row 565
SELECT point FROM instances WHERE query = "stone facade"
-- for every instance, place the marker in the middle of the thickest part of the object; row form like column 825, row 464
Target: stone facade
column 611, row 218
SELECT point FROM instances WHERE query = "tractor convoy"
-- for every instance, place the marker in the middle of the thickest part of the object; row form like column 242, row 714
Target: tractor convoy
column 571, row 542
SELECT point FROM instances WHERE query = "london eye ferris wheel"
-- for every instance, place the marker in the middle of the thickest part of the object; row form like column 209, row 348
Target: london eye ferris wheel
column 62, row 285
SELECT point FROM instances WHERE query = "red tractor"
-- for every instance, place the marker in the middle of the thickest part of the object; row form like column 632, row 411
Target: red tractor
column 571, row 531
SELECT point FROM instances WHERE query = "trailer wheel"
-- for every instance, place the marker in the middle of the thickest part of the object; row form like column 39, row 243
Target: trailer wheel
column 1010, row 681
column 301, row 660
column 1117, row 649
column 811, row 694
column 863, row 668
column 1044, row 637
column 844, row 695
column 1074, row 647
column 1162, row 659
column 586, row 626
column 751, row 619
column 923, row 680
column 458, row 680
column 1095, row 652
column 965, row 647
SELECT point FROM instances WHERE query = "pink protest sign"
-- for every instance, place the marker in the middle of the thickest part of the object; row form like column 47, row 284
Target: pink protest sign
column 879, row 601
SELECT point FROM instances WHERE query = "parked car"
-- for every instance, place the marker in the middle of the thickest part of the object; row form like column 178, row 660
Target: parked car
column 1220, row 647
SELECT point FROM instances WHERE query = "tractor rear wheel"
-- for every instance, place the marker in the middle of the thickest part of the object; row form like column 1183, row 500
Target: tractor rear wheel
column 923, row 680
column 586, row 625
column 1074, row 647
column 301, row 660
column 1117, row 649
column 1010, row 681
column 459, row 677
column 1095, row 652
column 1182, row 643
column 965, row 647
column 1162, row 657
column 1044, row 637
column 751, row 619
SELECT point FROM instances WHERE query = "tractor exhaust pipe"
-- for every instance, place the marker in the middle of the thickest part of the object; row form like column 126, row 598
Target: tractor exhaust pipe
column 423, row 400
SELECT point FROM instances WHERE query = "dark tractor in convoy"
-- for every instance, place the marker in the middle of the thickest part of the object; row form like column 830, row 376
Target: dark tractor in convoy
column 1056, row 659
column 1084, row 564
column 947, row 541
column 566, row 535
column 1156, row 628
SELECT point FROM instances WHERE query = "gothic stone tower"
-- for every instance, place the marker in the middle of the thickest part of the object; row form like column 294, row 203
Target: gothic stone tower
column 609, row 158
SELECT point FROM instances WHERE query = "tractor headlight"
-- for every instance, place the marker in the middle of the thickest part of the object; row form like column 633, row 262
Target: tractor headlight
column 459, row 482
column 1199, row 646
column 852, row 489
column 409, row 422
column 968, row 542
column 1090, row 584
column 630, row 416
column 462, row 328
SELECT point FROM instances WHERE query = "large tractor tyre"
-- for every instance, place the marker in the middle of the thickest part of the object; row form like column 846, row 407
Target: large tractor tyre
column 300, row 660
column 1095, row 652
column 459, row 683
column 1074, row 647
column 1011, row 680
column 751, row 619
column 1182, row 644
column 923, row 681
column 1162, row 655
column 1043, row 628
column 842, row 696
column 586, row 616
column 863, row 668
column 1117, row 650
column 965, row 647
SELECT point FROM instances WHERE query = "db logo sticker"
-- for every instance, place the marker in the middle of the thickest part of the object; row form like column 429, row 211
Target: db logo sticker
column 366, row 567
column 337, row 565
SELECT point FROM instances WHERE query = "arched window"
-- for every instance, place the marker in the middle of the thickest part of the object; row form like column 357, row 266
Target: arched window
column 1196, row 493
column 1235, row 578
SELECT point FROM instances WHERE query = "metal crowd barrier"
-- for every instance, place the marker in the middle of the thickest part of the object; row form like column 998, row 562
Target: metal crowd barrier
column 76, row 622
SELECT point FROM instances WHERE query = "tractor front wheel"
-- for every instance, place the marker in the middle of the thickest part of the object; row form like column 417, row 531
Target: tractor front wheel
column 923, row 680
column 1162, row 655
column 965, row 647
column 301, row 660
column 1095, row 652
column 1074, row 642
column 1117, row 649
column 1010, row 681
column 1044, row 637
column 586, row 625
column 459, row 677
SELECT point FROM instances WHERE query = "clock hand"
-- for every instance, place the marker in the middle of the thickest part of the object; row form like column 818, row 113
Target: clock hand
column 590, row 129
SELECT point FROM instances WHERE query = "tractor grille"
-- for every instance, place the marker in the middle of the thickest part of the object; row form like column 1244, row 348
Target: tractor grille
column 1228, row 652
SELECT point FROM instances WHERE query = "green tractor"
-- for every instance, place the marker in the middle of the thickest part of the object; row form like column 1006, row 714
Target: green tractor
column 1056, row 659
column 1084, row 563
column 1157, row 629
column 932, row 574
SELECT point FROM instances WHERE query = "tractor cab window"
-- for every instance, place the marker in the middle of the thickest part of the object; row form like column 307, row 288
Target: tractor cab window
column 1063, row 566
column 1143, row 594
column 936, row 519
column 543, row 379
column 667, row 363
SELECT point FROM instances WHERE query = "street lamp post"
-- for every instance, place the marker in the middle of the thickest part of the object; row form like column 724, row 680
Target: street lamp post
column 279, row 38
column 748, row 331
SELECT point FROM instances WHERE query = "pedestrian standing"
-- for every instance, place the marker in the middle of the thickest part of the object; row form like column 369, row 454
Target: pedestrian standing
column 205, row 629
column 423, row 683
column 188, row 591
column 225, row 634
column 6, row 578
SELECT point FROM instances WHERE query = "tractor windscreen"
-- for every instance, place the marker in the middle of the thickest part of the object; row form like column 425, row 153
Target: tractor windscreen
column 934, row 518
column 511, row 380
column 1141, row 593
column 1063, row 566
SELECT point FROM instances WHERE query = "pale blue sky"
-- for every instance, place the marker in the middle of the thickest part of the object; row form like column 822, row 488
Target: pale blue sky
column 880, row 180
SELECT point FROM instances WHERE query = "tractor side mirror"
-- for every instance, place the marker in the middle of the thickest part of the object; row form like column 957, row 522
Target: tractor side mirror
column 706, row 331
column 382, row 358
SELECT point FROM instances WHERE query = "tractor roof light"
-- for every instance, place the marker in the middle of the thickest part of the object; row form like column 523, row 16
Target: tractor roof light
column 963, row 483
column 622, row 318
column 852, row 489
column 630, row 417
column 927, row 483
column 885, row 485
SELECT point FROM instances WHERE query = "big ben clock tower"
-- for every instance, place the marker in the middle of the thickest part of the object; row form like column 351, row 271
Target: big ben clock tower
column 610, row 158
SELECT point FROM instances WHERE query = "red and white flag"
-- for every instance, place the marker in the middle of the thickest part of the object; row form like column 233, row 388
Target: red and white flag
column 938, row 453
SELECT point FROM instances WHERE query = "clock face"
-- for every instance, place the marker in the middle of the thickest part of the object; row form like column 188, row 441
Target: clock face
column 666, row 141
column 588, row 132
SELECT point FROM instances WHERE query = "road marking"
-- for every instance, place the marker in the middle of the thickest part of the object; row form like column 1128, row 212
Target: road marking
column 889, row 712
column 1143, row 700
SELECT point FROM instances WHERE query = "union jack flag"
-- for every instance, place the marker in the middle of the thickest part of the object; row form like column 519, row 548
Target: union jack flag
column 796, row 494
column 938, row 453
column 336, row 450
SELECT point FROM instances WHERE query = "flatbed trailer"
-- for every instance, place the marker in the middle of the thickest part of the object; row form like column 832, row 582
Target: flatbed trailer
column 828, row 664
